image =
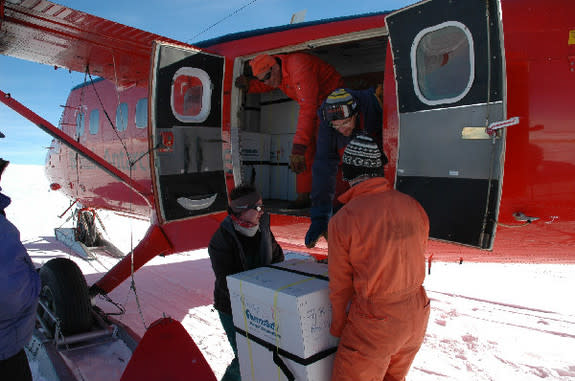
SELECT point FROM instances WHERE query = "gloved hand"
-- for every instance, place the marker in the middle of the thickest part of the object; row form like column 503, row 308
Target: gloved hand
column 297, row 163
column 320, row 216
column 297, row 158
column 379, row 94
column 242, row 82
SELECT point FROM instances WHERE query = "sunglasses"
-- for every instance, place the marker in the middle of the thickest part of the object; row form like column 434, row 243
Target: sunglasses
column 267, row 76
column 258, row 207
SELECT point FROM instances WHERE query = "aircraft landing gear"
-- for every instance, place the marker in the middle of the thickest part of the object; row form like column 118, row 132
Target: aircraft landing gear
column 65, row 306
column 85, row 238
column 86, row 230
column 69, row 329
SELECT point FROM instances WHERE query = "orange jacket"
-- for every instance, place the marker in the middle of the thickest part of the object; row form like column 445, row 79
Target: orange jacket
column 376, row 249
column 308, row 80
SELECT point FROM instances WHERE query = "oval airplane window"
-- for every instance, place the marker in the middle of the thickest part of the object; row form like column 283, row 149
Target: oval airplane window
column 442, row 62
column 191, row 95
column 94, row 121
column 122, row 117
column 80, row 124
column 142, row 113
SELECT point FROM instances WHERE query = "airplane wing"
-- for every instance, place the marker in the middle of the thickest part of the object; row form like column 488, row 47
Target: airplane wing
column 48, row 33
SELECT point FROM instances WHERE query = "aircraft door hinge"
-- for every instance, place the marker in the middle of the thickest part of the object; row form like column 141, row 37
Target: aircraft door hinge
column 491, row 130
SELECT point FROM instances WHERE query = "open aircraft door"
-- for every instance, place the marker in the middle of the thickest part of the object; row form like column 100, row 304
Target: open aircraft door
column 186, row 118
column 449, row 71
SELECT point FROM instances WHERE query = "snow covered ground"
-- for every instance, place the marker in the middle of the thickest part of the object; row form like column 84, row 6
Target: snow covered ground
column 488, row 321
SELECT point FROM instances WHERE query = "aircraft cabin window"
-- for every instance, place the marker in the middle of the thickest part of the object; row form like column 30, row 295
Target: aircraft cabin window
column 442, row 62
column 80, row 124
column 191, row 95
column 94, row 121
column 142, row 113
column 122, row 117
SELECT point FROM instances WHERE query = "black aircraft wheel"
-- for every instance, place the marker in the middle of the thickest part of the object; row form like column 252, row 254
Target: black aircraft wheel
column 65, row 293
column 86, row 230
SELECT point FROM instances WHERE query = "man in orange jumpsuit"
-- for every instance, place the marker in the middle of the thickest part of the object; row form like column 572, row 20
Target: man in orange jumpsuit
column 376, row 246
column 308, row 80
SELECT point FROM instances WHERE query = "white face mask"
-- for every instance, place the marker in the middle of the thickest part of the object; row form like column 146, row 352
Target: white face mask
column 248, row 232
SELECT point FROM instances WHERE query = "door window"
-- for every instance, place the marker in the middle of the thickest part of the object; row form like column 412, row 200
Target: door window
column 142, row 113
column 94, row 121
column 442, row 63
column 122, row 117
column 191, row 95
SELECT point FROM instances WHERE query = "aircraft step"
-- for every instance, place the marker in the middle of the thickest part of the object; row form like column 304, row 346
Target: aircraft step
column 68, row 238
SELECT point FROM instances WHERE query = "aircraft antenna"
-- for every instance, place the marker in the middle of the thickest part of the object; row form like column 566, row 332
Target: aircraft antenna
column 225, row 18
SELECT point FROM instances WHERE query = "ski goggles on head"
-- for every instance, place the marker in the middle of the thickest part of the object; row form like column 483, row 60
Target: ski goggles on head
column 338, row 111
column 256, row 207
column 247, row 202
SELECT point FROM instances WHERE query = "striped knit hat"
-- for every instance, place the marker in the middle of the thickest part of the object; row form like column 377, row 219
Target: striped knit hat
column 362, row 157
column 340, row 104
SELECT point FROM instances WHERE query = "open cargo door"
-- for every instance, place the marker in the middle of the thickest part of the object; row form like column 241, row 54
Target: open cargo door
column 449, row 71
column 186, row 115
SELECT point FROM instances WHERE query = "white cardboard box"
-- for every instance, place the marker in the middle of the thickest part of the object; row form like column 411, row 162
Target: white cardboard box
column 287, row 310
column 280, row 148
column 279, row 182
column 260, row 174
column 282, row 180
column 282, row 183
column 279, row 118
column 254, row 146
column 291, row 186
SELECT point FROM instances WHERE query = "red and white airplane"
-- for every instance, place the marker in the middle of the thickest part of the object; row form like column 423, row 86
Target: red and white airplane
column 478, row 121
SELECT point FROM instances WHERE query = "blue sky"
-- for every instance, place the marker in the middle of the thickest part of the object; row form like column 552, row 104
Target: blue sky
column 44, row 89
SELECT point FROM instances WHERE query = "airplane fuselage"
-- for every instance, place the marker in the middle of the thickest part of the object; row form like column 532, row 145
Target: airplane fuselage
column 527, row 170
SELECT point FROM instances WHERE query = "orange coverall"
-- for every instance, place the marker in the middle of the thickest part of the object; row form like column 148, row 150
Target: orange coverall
column 376, row 253
column 308, row 80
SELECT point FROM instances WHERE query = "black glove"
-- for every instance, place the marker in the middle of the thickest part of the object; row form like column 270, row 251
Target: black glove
column 320, row 216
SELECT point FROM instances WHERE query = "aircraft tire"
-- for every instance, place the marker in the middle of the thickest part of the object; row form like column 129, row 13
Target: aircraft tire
column 65, row 292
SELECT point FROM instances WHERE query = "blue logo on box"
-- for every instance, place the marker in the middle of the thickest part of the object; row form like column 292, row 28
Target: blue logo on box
column 264, row 324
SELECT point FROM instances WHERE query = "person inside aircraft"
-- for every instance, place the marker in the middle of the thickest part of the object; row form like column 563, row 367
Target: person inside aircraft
column 376, row 266
column 308, row 80
column 242, row 242
column 20, row 285
column 343, row 115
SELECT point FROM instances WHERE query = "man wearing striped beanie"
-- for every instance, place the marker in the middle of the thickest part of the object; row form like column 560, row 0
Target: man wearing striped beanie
column 376, row 265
